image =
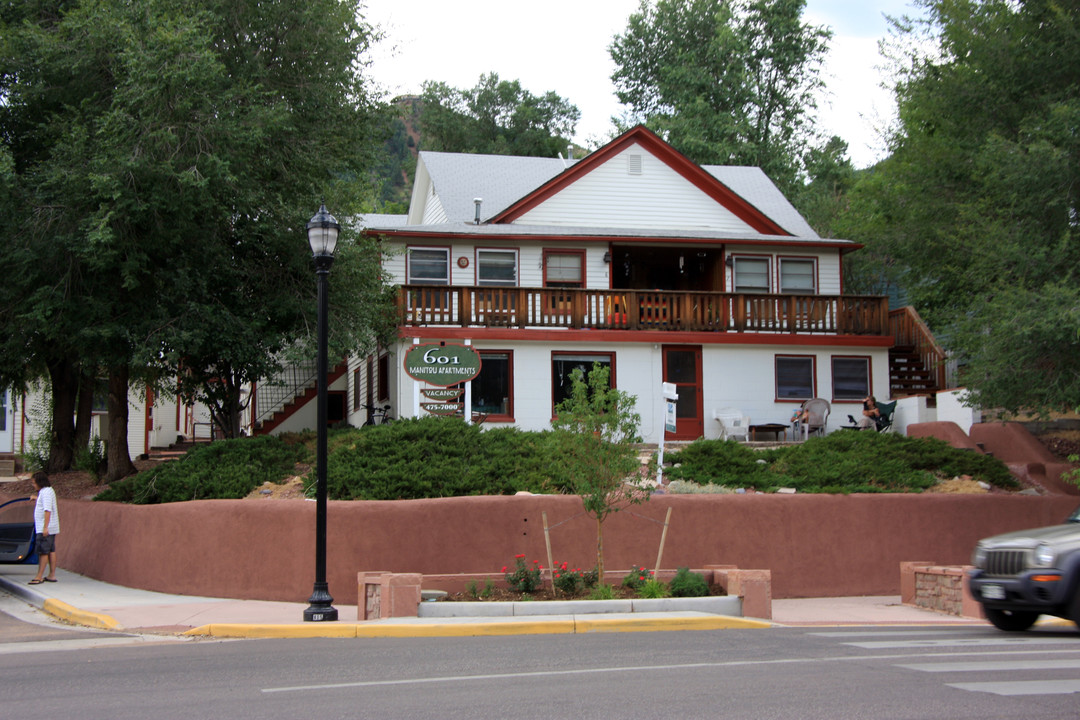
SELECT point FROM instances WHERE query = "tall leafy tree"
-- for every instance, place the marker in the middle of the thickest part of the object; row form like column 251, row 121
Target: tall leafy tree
column 495, row 117
column 724, row 81
column 976, row 208
column 167, row 155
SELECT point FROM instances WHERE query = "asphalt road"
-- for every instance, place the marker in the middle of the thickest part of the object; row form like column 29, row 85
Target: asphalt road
column 798, row 673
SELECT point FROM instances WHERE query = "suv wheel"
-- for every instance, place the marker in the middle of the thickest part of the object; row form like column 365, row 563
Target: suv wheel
column 1011, row 620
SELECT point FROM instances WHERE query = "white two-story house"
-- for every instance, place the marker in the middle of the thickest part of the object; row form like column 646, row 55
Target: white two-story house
column 634, row 257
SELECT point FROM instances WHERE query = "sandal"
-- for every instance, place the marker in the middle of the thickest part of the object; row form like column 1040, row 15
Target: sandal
column 50, row 579
column 35, row 581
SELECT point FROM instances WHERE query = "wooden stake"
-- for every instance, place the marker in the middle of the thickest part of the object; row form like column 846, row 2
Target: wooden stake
column 547, row 541
column 663, row 538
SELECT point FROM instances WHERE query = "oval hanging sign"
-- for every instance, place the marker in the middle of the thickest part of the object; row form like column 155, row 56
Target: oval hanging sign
column 442, row 364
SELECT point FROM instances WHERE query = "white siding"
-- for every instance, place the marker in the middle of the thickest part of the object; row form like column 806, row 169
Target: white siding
column 610, row 196
column 733, row 376
column 828, row 266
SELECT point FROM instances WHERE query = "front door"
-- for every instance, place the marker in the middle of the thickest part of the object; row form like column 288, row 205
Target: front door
column 7, row 423
column 682, row 368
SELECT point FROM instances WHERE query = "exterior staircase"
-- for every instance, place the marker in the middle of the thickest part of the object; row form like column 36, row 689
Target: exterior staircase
column 299, row 396
column 907, row 373
column 916, row 361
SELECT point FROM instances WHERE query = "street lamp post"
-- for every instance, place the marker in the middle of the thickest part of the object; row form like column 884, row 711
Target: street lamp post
column 322, row 233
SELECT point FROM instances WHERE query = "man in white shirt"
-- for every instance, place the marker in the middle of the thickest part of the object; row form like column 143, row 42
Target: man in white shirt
column 47, row 527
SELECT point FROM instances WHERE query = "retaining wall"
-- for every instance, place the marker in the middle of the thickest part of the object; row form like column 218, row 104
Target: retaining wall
column 814, row 545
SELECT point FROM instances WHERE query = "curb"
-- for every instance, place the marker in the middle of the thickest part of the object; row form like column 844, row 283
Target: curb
column 574, row 625
column 61, row 610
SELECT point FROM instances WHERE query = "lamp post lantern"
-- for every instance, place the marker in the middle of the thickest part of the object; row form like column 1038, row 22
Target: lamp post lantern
column 322, row 232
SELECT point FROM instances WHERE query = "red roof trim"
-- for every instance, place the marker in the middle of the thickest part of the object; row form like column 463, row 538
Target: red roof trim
column 670, row 156
column 842, row 245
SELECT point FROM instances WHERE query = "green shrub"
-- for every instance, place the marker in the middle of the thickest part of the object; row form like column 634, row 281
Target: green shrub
column 223, row 469
column 688, row 584
column 91, row 458
column 602, row 592
column 842, row 462
column 653, row 588
column 434, row 457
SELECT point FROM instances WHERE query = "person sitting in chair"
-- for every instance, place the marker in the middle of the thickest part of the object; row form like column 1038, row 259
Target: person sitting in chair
column 871, row 415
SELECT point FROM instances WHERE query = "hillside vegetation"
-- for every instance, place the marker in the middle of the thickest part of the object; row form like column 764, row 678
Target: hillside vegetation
column 445, row 457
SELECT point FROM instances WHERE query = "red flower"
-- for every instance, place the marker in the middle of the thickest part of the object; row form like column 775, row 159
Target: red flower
column 504, row 568
column 520, row 556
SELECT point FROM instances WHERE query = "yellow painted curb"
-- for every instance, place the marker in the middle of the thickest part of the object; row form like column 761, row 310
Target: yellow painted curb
column 245, row 630
column 477, row 629
column 715, row 622
column 63, row 611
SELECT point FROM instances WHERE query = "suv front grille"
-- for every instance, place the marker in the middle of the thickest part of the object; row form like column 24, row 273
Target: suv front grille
column 1005, row 562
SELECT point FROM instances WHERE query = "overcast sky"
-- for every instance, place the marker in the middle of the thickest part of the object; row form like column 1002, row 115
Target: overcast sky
column 561, row 45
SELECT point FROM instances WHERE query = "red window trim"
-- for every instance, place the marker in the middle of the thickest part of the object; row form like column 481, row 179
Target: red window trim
column 776, row 377
column 869, row 375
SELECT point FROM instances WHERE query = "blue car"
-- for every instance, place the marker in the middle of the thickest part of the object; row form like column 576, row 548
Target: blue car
column 17, row 532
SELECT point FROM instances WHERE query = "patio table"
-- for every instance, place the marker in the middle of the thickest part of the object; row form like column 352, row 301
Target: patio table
column 776, row 429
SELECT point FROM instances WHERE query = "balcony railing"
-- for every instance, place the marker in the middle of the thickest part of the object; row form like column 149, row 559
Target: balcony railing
column 519, row 307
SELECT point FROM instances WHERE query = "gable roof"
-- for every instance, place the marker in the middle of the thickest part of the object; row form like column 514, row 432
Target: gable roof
column 510, row 187
column 651, row 142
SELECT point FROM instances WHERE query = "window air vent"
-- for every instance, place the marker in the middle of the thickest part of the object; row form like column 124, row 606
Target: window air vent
column 633, row 164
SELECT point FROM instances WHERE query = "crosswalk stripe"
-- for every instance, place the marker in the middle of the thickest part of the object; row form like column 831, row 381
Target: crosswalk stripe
column 887, row 633
column 1032, row 687
column 962, row 642
column 989, row 665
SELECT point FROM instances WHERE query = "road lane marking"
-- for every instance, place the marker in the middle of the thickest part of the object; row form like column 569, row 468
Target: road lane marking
column 639, row 669
column 961, row 642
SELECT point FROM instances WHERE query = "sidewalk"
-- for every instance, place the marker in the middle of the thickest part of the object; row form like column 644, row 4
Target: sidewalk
column 85, row 601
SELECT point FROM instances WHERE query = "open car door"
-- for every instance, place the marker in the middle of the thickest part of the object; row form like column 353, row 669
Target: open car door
column 17, row 532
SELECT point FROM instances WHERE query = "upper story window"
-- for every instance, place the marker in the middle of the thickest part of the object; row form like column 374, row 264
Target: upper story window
column 798, row 275
column 564, row 269
column 751, row 274
column 429, row 266
column 496, row 267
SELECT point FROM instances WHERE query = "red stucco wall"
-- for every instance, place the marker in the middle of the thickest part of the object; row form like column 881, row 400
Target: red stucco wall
column 815, row 545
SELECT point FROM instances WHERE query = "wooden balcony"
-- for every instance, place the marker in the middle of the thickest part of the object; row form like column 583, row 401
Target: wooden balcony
column 519, row 307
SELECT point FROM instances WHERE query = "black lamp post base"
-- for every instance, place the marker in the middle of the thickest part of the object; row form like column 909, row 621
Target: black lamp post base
column 321, row 608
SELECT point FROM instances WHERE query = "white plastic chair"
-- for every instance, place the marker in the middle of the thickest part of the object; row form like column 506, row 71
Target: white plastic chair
column 733, row 424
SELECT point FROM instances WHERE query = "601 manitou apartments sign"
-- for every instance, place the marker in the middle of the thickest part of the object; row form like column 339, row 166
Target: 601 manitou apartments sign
column 442, row 364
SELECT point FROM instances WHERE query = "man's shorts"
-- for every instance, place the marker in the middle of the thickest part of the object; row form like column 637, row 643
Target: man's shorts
column 45, row 544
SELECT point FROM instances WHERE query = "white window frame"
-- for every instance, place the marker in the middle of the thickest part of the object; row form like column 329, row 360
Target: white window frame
column 789, row 261
column 413, row 280
column 743, row 288
column 484, row 256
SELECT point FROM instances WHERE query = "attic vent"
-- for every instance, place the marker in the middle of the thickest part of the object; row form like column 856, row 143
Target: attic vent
column 633, row 164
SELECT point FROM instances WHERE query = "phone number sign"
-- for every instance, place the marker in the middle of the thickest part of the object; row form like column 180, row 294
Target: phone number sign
column 442, row 364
